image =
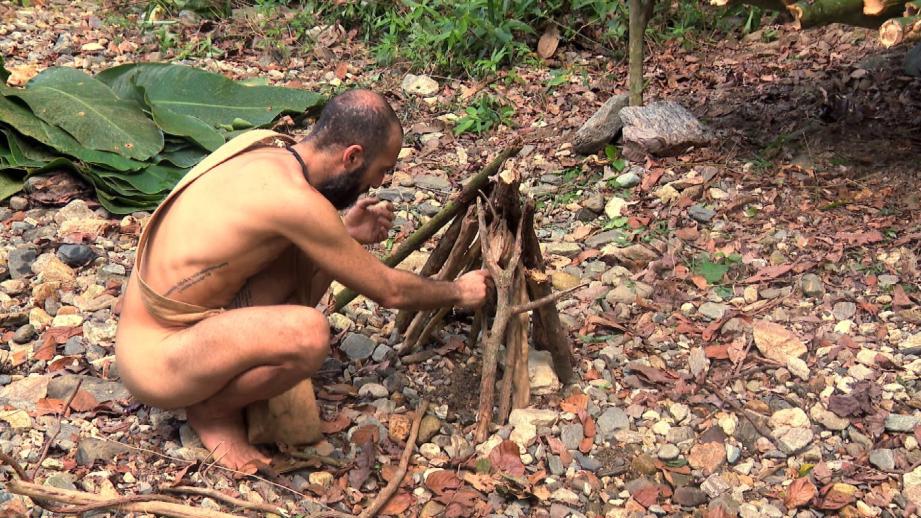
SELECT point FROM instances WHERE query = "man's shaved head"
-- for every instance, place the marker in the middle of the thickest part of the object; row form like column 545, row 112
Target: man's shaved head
column 359, row 117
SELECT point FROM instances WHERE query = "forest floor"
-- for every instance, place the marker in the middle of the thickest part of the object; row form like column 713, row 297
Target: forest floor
column 755, row 352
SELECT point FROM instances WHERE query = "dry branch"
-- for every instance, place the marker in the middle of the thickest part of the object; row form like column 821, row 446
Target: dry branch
column 83, row 502
column 394, row 483
column 227, row 499
column 898, row 30
column 451, row 209
column 878, row 7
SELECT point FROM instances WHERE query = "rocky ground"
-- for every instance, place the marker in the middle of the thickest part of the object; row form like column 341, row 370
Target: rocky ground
column 749, row 343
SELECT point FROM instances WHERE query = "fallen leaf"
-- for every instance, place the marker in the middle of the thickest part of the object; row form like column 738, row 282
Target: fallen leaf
column 575, row 403
column 341, row 70
column 834, row 498
column 83, row 402
column 800, row 493
column 366, row 433
column 45, row 406
column 558, row 448
column 768, row 273
column 363, row 463
column 900, row 298
column 717, row 352
column 699, row 281
column 505, row 458
column 398, row 504
column 776, row 342
column 335, row 426
column 647, row 495
column 549, row 41
column 441, row 481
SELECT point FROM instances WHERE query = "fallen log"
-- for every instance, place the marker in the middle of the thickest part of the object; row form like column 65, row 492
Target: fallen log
column 450, row 210
column 899, row 30
column 878, row 7
column 807, row 13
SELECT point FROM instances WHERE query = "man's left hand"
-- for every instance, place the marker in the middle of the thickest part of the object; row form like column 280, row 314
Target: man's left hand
column 369, row 220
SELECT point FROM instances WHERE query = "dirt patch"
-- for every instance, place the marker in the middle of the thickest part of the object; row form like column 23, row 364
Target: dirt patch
column 461, row 393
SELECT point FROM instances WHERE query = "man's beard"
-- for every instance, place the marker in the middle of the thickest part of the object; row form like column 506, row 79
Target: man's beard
column 343, row 190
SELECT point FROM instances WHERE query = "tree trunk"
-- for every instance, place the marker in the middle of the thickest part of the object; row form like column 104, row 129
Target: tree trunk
column 898, row 30
column 640, row 12
column 823, row 12
column 878, row 7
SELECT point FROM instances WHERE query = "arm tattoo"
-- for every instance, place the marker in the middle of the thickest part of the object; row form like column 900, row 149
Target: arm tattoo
column 243, row 298
column 194, row 279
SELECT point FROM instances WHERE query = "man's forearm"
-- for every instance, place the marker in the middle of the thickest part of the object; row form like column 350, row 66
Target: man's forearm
column 414, row 292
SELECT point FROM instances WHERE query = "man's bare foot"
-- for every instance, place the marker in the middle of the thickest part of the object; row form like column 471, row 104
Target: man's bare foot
column 225, row 436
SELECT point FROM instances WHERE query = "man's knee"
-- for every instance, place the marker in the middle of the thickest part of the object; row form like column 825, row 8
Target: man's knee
column 310, row 331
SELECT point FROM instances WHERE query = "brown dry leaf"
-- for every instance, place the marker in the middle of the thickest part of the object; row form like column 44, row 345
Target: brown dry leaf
column 900, row 298
column 441, row 481
column 776, row 342
column 366, row 433
column 20, row 75
column 83, row 402
column 505, row 458
column 687, row 233
column 769, row 272
column 47, row 406
column 341, row 70
column 335, row 426
column 363, row 463
column 549, row 41
column 398, row 504
column 480, row 481
column 800, row 493
column 717, row 351
column 834, row 497
column 575, row 403
column 647, row 496
column 558, row 448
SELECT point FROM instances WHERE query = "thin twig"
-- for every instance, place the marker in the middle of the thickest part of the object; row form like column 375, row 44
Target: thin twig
column 47, row 446
column 549, row 299
column 9, row 461
column 394, row 483
column 324, row 459
column 738, row 408
column 227, row 499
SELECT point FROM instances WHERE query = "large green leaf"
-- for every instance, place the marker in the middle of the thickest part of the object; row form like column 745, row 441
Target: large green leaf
column 91, row 113
column 183, row 158
column 155, row 180
column 185, row 126
column 212, row 98
column 4, row 73
column 10, row 184
column 26, row 123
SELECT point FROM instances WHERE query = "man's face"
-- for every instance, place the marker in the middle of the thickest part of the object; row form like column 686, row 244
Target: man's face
column 344, row 189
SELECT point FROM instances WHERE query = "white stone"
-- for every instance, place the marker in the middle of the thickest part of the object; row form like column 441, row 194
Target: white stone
column 799, row 368
column 679, row 411
column 614, row 207
column 912, row 341
column 861, row 372
column 532, row 416
column 790, row 417
column 728, row 423
column 911, row 482
column 844, row 327
column 541, row 374
column 421, row 85
column 661, row 427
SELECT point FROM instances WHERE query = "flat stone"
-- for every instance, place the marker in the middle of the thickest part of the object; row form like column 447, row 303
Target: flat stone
column 678, row 411
column 715, row 485
column 564, row 249
column 587, row 463
column 541, row 375
column 628, row 292
column 358, row 346
column 668, row 452
column 680, row 434
column 615, row 206
column 24, row 394
column 733, row 453
column 883, row 459
column 911, row 484
column 844, row 310
column 627, row 180
column 102, row 390
column 792, row 440
column 701, row 213
column 24, row 334
column 533, row 417
column 76, row 255
column 100, row 333
column 421, row 85
column 18, row 420
column 790, row 417
column 555, row 465
column 52, row 269
column 687, row 496
column 90, row 450
column 563, row 281
column 601, row 127
column 19, row 262
column 812, row 285
column 429, row 426
column 435, row 183
column 901, row 423
column 713, row 310
column 572, row 435
column 565, row 495
column 381, row 352
column 611, row 420
column 373, row 390
column 707, row 457
column 603, row 238
column 828, row 419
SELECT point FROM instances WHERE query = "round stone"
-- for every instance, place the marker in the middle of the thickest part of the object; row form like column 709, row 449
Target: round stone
column 668, row 452
column 76, row 255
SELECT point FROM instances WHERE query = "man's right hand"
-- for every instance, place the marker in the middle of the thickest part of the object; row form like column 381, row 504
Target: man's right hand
column 473, row 288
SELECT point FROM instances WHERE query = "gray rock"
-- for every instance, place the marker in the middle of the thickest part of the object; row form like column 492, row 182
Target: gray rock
column 594, row 203
column 395, row 194
column 572, row 435
column 381, row 352
column 189, row 438
column 603, row 238
column 883, row 459
column 587, row 463
column 613, row 419
column 793, row 440
column 679, row 434
column 698, row 361
column 555, row 465
column 74, row 346
column 19, row 203
column 5, row 379
column 564, row 249
column 660, row 129
column 61, row 481
column 713, row 310
column 812, row 285
column 358, row 346
column 64, row 43
column 627, row 180
column 668, row 452
column 76, row 255
column 421, row 85
column 111, row 271
column 373, row 390
column 24, row 334
column 844, row 310
column 103, row 390
column 20, row 262
column 687, row 496
column 601, row 127
column 732, row 453
column 90, row 450
column 435, row 183
column 887, row 280
column 901, row 423
column 627, row 292
column 701, row 213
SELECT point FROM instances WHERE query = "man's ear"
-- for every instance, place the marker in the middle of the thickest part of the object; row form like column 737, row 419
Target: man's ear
column 353, row 156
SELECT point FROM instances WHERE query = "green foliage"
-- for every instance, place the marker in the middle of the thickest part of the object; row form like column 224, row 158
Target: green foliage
column 715, row 268
column 132, row 131
column 484, row 114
